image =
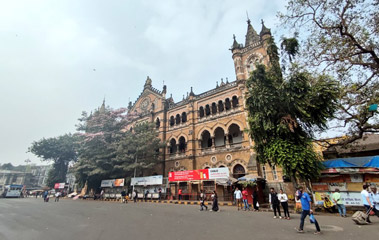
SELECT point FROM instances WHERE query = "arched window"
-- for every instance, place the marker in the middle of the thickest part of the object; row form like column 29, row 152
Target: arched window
column 173, row 148
column 206, row 140
column 207, row 110
column 238, row 171
column 219, row 137
column 172, row 121
column 235, row 135
column 227, row 104
column 182, row 144
column 157, row 123
column 184, row 117
column 177, row 119
column 220, row 106
column 214, row 108
column 235, row 101
column 201, row 112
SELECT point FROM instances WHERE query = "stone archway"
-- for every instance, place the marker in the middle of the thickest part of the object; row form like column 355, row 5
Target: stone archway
column 238, row 171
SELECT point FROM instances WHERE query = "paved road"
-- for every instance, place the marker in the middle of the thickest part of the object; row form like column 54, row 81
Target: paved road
column 31, row 219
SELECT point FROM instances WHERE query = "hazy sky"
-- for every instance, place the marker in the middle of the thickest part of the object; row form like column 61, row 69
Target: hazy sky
column 59, row 58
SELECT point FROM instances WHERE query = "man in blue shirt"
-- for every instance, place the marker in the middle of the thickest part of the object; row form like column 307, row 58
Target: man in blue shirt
column 306, row 205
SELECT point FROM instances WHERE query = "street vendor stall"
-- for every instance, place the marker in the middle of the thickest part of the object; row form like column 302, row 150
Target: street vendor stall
column 348, row 175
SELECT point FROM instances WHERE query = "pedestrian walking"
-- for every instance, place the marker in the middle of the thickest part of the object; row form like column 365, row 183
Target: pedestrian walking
column 159, row 194
column 203, row 197
column 146, row 193
column 283, row 198
column 255, row 200
column 215, row 202
column 245, row 194
column 366, row 201
column 45, row 196
column 336, row 197
column 306, row 205
column 374, row 196
column 57, row 195
column 275, row 203
column 180, row 194
column 135, row 195
column 238, row 198
column 123, row 196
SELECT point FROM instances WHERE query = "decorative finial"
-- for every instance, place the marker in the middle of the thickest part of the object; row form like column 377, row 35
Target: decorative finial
column 227, row 81
column 191, row 93
column 248, row 19
column 222, row 80
column 216, row 84
column 263, row 23
column 234, row 37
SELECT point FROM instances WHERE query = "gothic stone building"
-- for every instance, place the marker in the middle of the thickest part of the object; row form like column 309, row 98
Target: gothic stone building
column 208, row 129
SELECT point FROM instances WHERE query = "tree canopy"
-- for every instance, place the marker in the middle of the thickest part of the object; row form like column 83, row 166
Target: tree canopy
column 285, row 109
column 61, row 150
column 341, row 38
column 107, row 150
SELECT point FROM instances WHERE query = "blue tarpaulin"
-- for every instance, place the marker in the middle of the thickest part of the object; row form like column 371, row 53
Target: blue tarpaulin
column 374, row 162
column 338, row 163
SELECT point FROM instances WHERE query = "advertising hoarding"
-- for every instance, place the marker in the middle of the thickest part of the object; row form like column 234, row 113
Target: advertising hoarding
column 200, row 174
column 145, row 181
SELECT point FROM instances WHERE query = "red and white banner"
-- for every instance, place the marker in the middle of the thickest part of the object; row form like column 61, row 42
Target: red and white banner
column 200, row 174
column 59, row 185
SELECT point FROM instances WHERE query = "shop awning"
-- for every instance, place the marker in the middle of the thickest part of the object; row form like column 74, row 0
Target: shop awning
column 374, row 162
column 249, row 178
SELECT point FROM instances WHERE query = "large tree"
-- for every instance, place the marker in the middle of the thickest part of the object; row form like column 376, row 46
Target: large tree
column 138, row 150
column 99, row 133
column 341, row 37
column 284, row 111
column 61, row 150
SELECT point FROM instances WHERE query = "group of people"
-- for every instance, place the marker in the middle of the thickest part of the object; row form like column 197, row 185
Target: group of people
column 46, row 196
column 214, row 198
column 241, row 198
column 276, row 200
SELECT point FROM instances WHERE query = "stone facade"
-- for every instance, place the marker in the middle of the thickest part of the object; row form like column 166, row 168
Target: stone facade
column 208, row 129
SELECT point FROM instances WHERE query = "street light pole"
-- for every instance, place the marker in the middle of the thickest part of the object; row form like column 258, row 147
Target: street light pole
column 135, row 169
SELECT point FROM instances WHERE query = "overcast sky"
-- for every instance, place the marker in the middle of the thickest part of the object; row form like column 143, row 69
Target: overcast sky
column 59, row 58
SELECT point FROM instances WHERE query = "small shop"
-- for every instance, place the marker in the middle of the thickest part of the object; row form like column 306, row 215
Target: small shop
column 113, row 188
column 348, row 175
column 191, row 182
column 149, row 185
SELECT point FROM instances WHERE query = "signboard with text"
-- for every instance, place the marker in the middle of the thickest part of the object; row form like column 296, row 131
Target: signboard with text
column 107, row 183
column 200, row 174
column 145, row 181
column 348, row 198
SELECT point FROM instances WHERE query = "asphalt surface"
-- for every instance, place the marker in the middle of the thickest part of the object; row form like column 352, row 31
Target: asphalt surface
column 31, row 219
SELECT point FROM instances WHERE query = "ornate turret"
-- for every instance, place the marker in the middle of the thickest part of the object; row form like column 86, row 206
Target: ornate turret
column 265, row 30
column 251, row 35
column 102, row 108
column 192, row 94
column 148, row 83
column 235, row 43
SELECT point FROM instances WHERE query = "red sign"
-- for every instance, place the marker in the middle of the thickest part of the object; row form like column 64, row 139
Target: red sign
column 201, row 174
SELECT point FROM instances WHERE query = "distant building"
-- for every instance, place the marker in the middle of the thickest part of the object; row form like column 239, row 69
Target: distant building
column 33, row 177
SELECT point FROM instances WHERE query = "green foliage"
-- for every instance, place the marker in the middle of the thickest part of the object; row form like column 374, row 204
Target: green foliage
column 285, row 111
column 341, row 38
column 61, row 150
column 108, row 151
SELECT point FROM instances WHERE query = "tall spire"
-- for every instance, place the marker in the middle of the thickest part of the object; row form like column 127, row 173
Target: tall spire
column 251, row 35
column 235, row 43
column 102, row 108
column 264, row 30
